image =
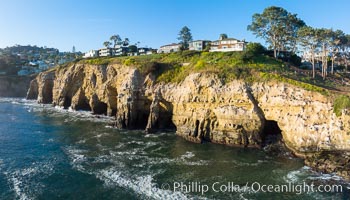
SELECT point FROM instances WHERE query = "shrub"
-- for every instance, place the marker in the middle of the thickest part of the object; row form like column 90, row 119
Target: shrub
column 340, row 103
column 129, row 61
column 255, row 48
column 199, row 65
column 252, row 50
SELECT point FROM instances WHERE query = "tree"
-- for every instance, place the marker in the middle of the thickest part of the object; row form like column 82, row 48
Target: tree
column 309, row 40
column 292, row 26
column 346, row 51
column 337, row 39
column 126, row 42
column 325, row 36
column 185, row 37
column 107, row 44
column 223, row 36
column 278, row 27
column 133, row 48
column 116, row 39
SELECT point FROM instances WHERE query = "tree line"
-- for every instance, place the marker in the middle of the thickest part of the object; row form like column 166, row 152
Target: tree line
column 284, row 31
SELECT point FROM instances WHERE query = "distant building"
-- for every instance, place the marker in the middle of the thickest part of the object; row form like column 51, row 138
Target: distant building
column 26, row 70
column 91, row 54
column 225, row 44
column 198, row 45
column 106, row 52
column 169, row 48
column 307, row 56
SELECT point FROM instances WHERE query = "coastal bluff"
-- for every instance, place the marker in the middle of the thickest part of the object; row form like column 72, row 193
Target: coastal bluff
column 203, row 108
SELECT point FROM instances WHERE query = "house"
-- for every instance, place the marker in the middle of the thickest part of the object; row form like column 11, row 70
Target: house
column 169, row 48
column 106, row 52
column 91, row 54
column 120, row 50
column 225, row 44
column 145, row 51
column 198, row 45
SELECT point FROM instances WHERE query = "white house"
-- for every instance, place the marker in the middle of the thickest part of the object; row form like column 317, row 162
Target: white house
column 144, row 51
column 91, row 54
column 169, row 48
column 225, row 44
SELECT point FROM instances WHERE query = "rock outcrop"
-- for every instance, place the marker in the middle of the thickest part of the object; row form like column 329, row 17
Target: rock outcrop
column 201, row 107
column 41, row 87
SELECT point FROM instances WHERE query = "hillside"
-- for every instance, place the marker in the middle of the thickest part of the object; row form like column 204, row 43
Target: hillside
column 248, row 66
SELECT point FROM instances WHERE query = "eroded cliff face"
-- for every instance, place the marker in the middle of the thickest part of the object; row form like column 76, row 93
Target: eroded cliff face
column 201, row 107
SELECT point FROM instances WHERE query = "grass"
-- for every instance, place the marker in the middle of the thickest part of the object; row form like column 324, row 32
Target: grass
column 176, row 66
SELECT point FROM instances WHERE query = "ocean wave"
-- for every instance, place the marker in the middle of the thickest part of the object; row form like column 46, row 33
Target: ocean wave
column 24, row 182
column 296, row 175
column 17, row 185
column 187, row 155
column 77, row 157
column 142, row 185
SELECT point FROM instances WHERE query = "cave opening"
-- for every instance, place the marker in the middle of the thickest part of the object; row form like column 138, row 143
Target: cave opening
column 195, row 133
column 164, row 120
column 67, row 102
column 84, row 105
column 100, row 108
column 272, row 134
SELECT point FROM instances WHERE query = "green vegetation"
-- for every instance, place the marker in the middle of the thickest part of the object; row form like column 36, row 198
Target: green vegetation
column 277, row 27
column 250, row 66
column 340, row 103
column 283, row 31
column 99, row 61
column 304, row 85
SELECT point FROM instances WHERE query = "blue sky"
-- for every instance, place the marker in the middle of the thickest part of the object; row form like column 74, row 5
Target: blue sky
column 86, row 24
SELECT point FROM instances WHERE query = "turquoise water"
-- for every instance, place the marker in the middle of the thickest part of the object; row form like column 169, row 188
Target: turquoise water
column 50, row 153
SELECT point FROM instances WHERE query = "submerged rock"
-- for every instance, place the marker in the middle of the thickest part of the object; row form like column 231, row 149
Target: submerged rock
column 337, row 162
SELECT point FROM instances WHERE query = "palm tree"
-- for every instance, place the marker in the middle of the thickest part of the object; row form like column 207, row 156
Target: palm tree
column 107, row 44
column 116, row 39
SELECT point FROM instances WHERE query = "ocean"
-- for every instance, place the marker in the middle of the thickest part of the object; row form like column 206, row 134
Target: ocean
column 52, row 153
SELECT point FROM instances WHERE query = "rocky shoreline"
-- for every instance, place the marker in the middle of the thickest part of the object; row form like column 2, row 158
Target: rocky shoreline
column 203, row 108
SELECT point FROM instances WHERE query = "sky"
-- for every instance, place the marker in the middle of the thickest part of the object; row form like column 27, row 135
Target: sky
column 86, row 24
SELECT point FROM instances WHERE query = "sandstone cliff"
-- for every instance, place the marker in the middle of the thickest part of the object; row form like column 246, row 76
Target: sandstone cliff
column 201, row 107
